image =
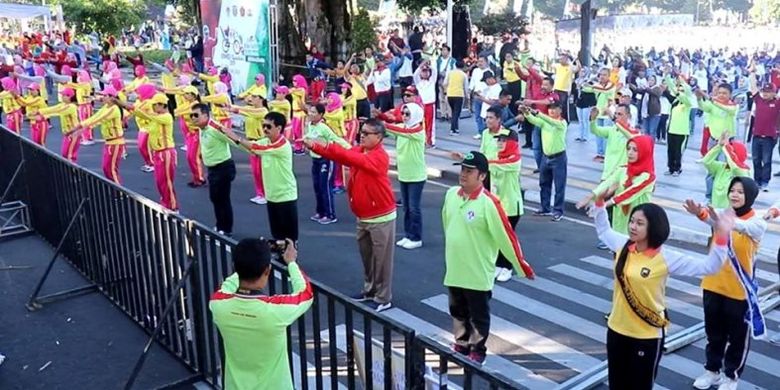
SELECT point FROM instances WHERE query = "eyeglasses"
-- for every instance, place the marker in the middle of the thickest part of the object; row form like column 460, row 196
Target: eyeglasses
column 368, row 133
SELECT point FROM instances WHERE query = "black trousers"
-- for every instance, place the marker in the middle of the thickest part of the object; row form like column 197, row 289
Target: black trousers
column 674, row 151
column 633, row 363
column 456, row 106
column 283, row 218
column 514, row 88
column 470, row 311
column 220, row 179
column 663, row 125
column 171, row 103
column 502, row 260
column 728, row 334
column 528, row 129
column 384, row 101
column 563, row 100
column 363, row 109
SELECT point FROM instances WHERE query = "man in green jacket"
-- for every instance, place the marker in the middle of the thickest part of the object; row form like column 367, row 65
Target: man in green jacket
column 476, row 228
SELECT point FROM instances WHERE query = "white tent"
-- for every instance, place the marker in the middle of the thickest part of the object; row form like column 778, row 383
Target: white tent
column 24, row 13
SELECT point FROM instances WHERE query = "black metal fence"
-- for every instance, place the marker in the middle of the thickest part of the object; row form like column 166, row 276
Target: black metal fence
column 161, row 269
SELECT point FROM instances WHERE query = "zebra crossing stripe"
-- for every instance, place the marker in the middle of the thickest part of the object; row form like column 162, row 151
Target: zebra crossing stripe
column 527, row 339
column 493, row 362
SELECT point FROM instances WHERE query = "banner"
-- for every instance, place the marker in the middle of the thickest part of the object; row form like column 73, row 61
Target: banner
column 237, row 36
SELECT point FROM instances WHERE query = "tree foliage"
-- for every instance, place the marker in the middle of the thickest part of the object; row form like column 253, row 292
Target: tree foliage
column 363, row 31
column 415, row 6
column 106, row 16
column 502, row 22
column 765, row 11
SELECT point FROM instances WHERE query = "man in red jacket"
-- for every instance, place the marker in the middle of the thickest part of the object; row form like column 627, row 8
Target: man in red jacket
column 371, row 200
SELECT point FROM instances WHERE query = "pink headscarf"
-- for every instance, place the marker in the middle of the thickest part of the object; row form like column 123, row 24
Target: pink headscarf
column 8, row 84
column 220, row 87
column 84, row 77
column 213, row 71
column 334, row 102
column 108, row 66
column 21, row 84
column 146, row 91
column 115, row 74
column 260, row 79
column 185, row 79
column 300, row 82
column 117, row 84
column 66, row 70
column 140, row 71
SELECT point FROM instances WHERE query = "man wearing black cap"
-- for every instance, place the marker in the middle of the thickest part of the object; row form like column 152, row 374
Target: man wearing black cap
column 476, row 228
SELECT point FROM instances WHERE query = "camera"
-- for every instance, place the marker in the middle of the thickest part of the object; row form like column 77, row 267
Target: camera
column 277, row 247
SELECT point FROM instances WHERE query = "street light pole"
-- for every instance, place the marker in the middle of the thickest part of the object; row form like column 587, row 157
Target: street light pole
column 449, row 23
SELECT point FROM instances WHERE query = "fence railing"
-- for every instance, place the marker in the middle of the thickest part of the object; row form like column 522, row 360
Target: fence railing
column 160, row 269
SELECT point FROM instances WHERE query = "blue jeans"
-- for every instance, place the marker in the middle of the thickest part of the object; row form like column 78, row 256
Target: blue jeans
column 476, row 107
column 536, row 140
column 711, row 142
column 762, row 159
column 321, row 172
column 601, row 143
column 411, row 193
column 553, row 171
column 583, row 117
column 650, row 125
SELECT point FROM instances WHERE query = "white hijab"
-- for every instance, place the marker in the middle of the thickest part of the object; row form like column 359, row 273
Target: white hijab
column 416, row 114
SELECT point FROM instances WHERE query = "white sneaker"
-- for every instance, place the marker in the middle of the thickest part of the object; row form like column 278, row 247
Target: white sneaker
column 258, row 200
column 775, row 339
column 728, row 384
column 147, row 168
column 87, row 142
column 504, row 274
column 402, row 242
column 477, row 136
column 409, row 244
column 707, row 380
column 497, row 272
column 183, row 148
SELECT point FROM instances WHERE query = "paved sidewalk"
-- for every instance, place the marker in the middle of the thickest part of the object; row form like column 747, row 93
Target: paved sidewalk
column 584, row 175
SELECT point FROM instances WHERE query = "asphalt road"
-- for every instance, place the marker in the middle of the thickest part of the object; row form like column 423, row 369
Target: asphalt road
column 552, row 326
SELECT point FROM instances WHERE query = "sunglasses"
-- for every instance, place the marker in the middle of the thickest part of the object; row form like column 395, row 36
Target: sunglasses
column 408, row 95
column 267, row 126
column 194, row 116
column 368, row 133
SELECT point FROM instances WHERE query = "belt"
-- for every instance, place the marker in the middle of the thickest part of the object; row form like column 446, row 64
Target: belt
column 114, row 139
column 164, row 150
column 253, row 139
column 555, row 155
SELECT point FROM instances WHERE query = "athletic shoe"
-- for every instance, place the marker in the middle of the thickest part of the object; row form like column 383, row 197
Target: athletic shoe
column 504, row 274
column 557, row 217
column 527, row 146
column 775, row 339
column 542, row 213
column 676, row 174
column 327, row 221
column 315, row 218
column 728, row 384
column 478, row 358
column 601, row 245
column 707, row 380
column 454, row 132
column 2, row 358
column 258, row 200
column 497, row 272
column 668, row 173
column 361, row 297
column 338, row 190
column 377, row 307
column 477, row 136
column 460, row 349
column 183, row 148
column 402, row 242
column 87, row 142
column 412, row 244
column 147, row 168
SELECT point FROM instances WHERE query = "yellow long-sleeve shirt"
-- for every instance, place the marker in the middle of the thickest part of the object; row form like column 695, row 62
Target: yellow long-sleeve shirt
column 133, row 85
column 143, row 123
column 210, row 81
column 254, row 121
column 218, row 112
column 298, row 102
column 68, row 113
column 254, row 89
column 160, row 129
column 33, row 104
column 281, row 106
column 83, row 90
column 350, row 107
column 335, row 120
column 9, row 102
column 183, row 110
column 109, row 118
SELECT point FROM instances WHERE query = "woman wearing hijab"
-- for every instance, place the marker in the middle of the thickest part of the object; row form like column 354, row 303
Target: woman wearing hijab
column 505, row 184
column 144, row 92
column 299, row 92
column 335, row 118
column 218, row 101
column 724, row 171
column 83, row 88
column 638, row 323
column 731, row 295
column 33, row 102
column 139, row 80
column 631, row 184
column 257, row 89
column 11, row 108
column 410, row 157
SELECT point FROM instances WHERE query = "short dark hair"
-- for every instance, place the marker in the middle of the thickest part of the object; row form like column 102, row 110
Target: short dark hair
column 202, row 107
column 378, row 125
column 445, row 46
column 549, row 80
column 320, row 108
column 726, row 86
column 504, row 93
column 554, row 105
column 276, row 118
column 251, row 258
column 657, row 223
column 626, row 107
column 496, row 110
column 460, row 64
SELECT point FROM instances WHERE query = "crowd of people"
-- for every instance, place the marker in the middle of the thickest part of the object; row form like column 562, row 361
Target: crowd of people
column 339, row 116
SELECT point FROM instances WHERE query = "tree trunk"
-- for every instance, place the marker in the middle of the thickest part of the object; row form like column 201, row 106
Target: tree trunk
column 325, row 24
column 461, row 31
column 291, row 46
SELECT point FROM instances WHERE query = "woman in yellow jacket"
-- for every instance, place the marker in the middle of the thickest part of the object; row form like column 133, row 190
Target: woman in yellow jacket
column 637, row 323
column 218, row 100
column 351, row 122
column 335, row 118
column 730, row 296
column 11, row 108
column 254, row 115
column 189, row 98
column 69, row 117
column 109, row 118
column 33, row 102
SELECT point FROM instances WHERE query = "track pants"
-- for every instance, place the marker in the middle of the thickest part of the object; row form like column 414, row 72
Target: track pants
column 470, row 311
column 728, row 334
column 143, row 147
column 70, row 147
column 164, row 173
column 633, row 363
column 321, row 172
column 112, row 155
column 256, row 163
column 674, row 151
column 194, row 159
column 502, row 260
column 85, row 111
column 39, row 130
column 14, row 121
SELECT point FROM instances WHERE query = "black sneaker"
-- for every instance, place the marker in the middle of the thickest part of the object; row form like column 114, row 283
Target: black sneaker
column 536, row 171
column 557, row 217
column 377, row 307
column 542, row 213
column 361, row 297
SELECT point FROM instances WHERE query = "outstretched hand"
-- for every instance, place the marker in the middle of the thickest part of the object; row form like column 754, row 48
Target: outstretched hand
column 692, row 207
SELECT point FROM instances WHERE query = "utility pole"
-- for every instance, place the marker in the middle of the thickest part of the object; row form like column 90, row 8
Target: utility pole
column 586, row 33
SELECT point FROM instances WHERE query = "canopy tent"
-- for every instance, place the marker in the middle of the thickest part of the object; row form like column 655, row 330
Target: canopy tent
column 24, row 13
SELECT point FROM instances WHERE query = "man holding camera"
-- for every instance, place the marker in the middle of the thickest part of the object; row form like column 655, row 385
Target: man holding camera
column 253, row 325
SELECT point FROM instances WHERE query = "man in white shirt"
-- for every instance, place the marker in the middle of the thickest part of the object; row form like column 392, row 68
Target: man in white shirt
column 476, row 85
column 405, row 72
column 381, row 78
column 489, row 95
